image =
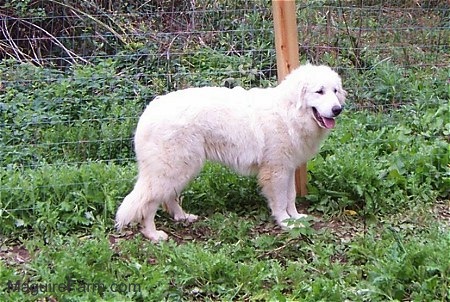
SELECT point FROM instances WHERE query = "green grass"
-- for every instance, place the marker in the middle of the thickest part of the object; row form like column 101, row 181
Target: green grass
column 373, row 238
column 389, row 260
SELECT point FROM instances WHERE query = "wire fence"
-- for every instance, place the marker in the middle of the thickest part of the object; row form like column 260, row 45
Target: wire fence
column 75, row 75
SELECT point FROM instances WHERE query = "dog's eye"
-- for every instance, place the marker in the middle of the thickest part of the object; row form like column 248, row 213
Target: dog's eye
column 335, row 90
column 320, row 91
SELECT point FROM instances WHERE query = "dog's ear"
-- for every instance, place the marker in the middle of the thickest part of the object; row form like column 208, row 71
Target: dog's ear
column 300, row 104
column 341, row 95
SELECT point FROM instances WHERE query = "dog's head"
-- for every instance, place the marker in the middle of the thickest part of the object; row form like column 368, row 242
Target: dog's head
column 318, row 91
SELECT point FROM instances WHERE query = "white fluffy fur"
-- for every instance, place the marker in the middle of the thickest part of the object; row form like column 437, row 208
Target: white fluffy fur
column 268, row 132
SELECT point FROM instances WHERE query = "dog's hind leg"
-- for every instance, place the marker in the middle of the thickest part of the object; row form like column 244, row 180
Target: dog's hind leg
column 141, row 206
column 175, row 181
column 148, row 224
column 165, row 190
column 170, row 204
column 177, row 212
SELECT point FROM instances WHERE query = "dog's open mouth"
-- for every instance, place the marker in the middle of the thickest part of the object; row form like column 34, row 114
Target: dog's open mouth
column 324, row 122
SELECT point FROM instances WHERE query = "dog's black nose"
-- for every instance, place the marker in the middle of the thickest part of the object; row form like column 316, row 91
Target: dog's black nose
column 336, row 110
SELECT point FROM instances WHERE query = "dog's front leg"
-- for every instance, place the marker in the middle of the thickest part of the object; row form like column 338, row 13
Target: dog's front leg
column 278, row 185
column 275, row 184
column 291, row 208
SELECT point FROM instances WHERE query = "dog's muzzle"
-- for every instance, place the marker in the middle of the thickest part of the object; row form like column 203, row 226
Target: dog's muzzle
column 327, row 122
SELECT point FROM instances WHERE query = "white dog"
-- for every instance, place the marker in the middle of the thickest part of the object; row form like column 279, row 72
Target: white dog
column 268, row 132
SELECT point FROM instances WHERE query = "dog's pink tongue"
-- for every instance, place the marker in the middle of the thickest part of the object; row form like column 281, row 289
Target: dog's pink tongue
column 329, row 122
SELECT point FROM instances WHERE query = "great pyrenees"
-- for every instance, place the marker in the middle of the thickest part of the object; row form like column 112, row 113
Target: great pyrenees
column 267, row 132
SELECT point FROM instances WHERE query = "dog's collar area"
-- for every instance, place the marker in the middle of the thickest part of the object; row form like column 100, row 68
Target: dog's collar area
column 324, row 122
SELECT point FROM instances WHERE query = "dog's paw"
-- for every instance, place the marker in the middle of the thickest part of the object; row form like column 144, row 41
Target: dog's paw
column 186, row 217
column 298, row 216
column 155, row 236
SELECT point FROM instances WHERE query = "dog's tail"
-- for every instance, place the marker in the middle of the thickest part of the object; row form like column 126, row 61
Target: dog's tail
column 132, row 208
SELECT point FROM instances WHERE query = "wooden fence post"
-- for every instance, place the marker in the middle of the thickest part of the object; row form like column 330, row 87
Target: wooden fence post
column 286, row 44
